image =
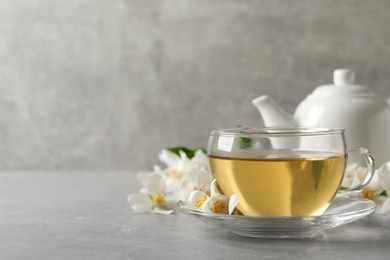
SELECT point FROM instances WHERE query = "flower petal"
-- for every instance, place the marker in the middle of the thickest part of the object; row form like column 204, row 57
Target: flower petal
column 202, row 181
column 384, row 176
column 183, row 163
column 162, row 211
column 169, row 158
column 156, row 168
column 374, row 184
column 379, row 204
column 143, row 191
column 214, row 189
column 140, row 202
column 217, row 204
column 198, row 163
column 358, row 176
column 200, row 155
column 233, row 201
column 349, row 175
column 184, row 189
column 197, row 198
column 171, row 200
column 171, row 184
column 156, row 183
column 386, row 206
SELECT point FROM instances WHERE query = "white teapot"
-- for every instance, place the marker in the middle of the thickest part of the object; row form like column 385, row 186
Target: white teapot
column 364, row 115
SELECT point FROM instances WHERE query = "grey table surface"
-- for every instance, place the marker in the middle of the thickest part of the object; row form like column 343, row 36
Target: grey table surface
column 84, row 215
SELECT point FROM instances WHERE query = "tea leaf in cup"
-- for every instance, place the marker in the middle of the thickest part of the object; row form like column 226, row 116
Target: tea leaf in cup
column 245, row 142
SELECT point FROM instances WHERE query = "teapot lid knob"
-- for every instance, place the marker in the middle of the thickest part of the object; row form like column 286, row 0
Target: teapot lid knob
column 343, row 86
column 342, row 77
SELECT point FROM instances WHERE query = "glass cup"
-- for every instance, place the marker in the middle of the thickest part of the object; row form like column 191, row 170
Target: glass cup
column 282, row 171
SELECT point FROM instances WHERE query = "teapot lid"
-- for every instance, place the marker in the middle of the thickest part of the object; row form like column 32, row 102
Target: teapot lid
column 343, row 86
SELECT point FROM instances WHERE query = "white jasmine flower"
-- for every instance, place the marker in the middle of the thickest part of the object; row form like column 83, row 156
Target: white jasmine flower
column 200, row 182
column 349, row 175
column 384, row 178
column 183, row 179
column 197, row 199
column 177, row 164
column 142, row 177
column 373, row 192
column 198, row 172
column 196, row 176
column 198, row 163
column 376, row 188
column 216, row 203
column 176, row 167
column 154, row 197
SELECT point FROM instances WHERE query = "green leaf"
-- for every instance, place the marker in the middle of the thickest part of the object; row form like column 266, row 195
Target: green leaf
column 383, row 193
column 190, row 153
column 245, row 142
column 343, row 188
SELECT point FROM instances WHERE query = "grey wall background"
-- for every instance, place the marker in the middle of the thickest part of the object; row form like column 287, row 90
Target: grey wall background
column 105, row 85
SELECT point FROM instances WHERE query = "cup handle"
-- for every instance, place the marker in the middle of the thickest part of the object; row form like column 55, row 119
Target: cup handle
column 370, row 168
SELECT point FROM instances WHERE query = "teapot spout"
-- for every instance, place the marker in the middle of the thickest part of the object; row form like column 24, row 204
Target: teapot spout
column 272, row 113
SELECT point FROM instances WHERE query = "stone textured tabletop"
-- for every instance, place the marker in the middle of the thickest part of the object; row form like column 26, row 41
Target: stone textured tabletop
column 84, row 215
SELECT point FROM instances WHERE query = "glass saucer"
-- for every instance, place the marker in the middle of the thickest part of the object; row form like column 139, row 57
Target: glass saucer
column 343, row 210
